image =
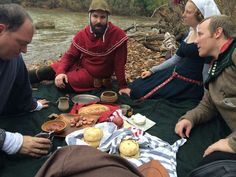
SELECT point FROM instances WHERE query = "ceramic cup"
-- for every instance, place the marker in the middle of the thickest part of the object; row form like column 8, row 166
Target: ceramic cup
column 97, row 83
column 63, row 103
column 50, row 136
column 126, row 110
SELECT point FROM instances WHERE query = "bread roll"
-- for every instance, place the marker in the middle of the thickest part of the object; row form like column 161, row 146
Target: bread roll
column 93, row 143
column 93, row 136
column 129, row 149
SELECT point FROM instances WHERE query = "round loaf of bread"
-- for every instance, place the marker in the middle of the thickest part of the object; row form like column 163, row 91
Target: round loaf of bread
column 93, row 136
column 129, row 149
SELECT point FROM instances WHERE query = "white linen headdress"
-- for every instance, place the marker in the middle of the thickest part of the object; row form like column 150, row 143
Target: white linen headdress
column 207, row 7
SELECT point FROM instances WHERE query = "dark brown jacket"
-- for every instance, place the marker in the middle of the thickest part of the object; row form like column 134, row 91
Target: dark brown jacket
column 86, row 161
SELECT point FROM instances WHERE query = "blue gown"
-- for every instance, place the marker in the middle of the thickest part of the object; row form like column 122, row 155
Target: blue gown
column 190, row 66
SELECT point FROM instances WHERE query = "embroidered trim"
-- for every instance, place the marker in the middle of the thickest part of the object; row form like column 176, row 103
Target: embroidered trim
column 224, row 60
column 192, row 81
column 174, row 75
column 101, row 54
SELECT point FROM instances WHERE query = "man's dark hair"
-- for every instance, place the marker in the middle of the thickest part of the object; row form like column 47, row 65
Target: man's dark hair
column 13, row 16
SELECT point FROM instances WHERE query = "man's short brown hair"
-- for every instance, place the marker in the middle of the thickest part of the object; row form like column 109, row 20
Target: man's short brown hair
column 224, row 22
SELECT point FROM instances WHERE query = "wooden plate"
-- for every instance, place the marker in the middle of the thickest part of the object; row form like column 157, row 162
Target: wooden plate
column 66, row 118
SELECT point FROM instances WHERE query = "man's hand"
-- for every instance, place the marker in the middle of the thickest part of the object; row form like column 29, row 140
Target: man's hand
column 221, row 145
column 60, row 80
column 183, row 128
column 125, row 91
column 43, row 102
column 35, row 146
column 146, row 74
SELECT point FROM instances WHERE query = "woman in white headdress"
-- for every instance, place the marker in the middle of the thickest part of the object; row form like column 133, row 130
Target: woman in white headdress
column 180, row 77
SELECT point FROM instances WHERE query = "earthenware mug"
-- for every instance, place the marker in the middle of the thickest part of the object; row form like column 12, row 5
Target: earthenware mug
column 48, row 135
column 63, row 103
column 97, row 83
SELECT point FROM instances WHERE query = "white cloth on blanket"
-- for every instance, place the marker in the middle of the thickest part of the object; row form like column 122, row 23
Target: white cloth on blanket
column 151, row 147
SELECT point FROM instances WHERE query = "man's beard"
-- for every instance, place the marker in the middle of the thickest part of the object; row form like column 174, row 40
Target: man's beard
column 99, row 32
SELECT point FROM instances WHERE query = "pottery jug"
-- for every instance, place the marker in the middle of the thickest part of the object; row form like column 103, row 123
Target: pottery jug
column 63, row 103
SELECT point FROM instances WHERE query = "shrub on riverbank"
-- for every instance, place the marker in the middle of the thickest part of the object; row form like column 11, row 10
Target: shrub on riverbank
column 118, row 7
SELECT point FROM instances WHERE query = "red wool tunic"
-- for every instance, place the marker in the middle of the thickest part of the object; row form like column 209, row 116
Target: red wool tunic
column 90, row 58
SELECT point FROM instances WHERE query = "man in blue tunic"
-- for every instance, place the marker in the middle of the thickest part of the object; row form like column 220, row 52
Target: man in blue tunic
column 16, row 32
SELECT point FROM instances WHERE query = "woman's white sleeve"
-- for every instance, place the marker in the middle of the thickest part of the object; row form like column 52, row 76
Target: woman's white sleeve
column 166, row 64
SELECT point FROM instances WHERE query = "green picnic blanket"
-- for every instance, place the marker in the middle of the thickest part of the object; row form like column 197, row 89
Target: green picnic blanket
column 165, row 113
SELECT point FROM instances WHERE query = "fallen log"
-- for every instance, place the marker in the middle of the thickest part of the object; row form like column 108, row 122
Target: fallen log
column 151, row 47
column 45, row 25
column 156, row 25
column 146, row 36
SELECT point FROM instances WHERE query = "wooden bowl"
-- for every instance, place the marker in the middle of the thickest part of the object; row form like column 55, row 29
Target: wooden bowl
column 56, row 126
column 109, row 96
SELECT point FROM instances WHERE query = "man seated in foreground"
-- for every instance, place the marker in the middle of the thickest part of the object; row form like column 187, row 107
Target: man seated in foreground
column 16, row 32
column 216, row 38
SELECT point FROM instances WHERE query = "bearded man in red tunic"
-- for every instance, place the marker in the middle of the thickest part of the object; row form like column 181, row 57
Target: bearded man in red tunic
column 96, row 53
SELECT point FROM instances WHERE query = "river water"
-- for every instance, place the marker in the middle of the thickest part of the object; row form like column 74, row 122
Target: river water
column 52, row 43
